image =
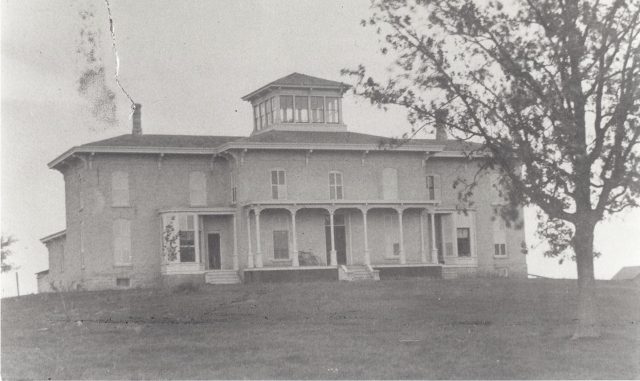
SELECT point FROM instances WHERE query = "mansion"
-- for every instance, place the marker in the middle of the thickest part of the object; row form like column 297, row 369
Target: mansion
column 302, row 198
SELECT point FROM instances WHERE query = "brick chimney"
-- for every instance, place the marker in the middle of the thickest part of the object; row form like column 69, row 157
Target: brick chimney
column 441, row 127
column 137, row 119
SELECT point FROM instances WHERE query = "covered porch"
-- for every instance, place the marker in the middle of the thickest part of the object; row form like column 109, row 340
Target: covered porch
column 287, row 235
column 200, row 241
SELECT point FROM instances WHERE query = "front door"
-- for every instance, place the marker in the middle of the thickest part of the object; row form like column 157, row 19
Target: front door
column 213, row 242
column 340, row 237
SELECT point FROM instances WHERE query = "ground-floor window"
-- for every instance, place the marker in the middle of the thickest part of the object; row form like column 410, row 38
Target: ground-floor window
column 464, row 242
column 281, row 244
column 499, row 237
column 187, row 238
column 179, row 237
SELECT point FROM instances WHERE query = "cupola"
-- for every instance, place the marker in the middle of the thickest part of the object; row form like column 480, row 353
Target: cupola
column 298, row 102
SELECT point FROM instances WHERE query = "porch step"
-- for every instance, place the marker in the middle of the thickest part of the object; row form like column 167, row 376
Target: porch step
column 222, row 277
column 356, row 273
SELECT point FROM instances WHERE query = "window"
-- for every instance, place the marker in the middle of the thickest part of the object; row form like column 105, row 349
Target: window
column 286, row 108
column 464, row 242
column 234, row 188
column 187, row 238
column 390, row 184
column 333, row 110
column 256, row 116
column 499, row 237
column 302, row 109
column 317, row 109
column 263, row 117
column 269, row 111
column 335, row 186
column 281, row 244
column 121, row 242
column 433, row 187
column 122, row 282
column 197, row 189
column 278, row 185
column 120, row 188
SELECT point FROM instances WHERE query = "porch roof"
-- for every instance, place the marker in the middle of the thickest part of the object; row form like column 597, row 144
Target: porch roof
column 343, row 203
column 215, row 211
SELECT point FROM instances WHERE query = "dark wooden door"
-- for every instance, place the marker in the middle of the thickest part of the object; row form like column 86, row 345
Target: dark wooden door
column 340, row 236
column 213, row 241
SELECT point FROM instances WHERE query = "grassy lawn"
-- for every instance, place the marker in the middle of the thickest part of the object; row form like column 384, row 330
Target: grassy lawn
column 415, row 328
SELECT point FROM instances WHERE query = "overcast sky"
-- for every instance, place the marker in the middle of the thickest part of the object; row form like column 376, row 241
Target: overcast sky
column 188, row 63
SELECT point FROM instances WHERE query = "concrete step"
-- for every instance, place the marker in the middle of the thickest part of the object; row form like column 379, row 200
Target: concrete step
column 222, row 277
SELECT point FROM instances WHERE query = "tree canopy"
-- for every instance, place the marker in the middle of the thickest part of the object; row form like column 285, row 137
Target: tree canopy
column 549, row 87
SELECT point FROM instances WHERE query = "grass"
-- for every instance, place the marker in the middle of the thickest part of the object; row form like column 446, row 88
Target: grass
column 399, row 329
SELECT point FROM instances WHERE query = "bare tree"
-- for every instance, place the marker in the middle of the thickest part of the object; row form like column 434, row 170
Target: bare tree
column 6, row 243
column 551, row 89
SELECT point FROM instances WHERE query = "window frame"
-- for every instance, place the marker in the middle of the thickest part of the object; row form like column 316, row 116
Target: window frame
column 197, row 196
column 436, row 187
column 297, row 112
column 122, row 242
column 320, row 111
column 181, row 240
column 468, row 253
column 282, row 111
column 390, row 191
column 499, row 237
column 330, row 113
column 120, row 189
column 333, row 188
column 279, row 190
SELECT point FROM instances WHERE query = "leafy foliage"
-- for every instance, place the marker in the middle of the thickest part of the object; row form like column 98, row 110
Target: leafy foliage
column 170, row 241
column 550, row 88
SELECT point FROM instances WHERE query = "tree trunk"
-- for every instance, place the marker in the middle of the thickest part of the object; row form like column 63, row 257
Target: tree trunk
column 587, row 321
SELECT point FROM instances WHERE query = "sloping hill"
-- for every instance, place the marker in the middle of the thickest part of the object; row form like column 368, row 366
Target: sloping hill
column 469, row 328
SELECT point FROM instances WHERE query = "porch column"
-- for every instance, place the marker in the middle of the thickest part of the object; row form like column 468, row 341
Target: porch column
column 423, row 248
column 332, row 251
column 249, row 253
column 434, row 247
column 403, row 259
column 294, row 239
column 236, row 265
column 258, row 262
column 367, row 257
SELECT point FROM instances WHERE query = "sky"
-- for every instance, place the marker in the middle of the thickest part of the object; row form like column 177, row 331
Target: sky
column 188, row 63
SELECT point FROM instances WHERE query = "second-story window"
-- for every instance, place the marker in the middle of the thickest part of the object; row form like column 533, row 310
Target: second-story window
column 433, row 187
column 286, row 108
column 119, row 188
column 302, row 109
column 197, row 189
column 256, row 118
column 333, row 112
column 317, row 109
column 390, row 184
column 278, row 184
column 335, row 186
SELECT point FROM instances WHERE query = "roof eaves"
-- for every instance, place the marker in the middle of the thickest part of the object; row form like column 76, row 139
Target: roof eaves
column 53, row 236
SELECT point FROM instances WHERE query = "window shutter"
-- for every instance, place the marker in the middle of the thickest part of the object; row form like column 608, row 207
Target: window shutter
column 197, row 189
column 122, row 241
column 390, row 184
column 437, row 185
column 120, row 188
